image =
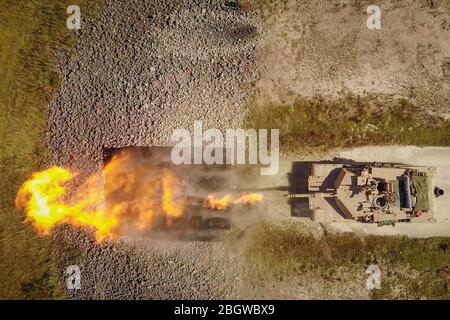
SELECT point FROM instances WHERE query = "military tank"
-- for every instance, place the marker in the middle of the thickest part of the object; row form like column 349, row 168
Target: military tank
column 382, row 193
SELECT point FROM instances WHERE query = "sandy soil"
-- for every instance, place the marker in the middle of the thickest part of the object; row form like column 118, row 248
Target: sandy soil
column 325, row 47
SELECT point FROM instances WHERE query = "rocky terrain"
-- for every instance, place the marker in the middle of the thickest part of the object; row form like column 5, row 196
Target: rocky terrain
column 148, row 269
column 141, row 70
column 145, row 68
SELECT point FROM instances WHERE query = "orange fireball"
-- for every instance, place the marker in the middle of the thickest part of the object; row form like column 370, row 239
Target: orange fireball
column 131, row 198
column 42, row 199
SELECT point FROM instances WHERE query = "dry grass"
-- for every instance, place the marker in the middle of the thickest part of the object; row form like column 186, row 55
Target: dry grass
column 348, row 121
column 411, row 268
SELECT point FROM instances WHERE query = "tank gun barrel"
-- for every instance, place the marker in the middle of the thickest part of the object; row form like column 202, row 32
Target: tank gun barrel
column 308, row 194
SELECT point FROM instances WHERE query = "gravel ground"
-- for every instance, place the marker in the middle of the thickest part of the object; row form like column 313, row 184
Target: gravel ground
column 140, row 70
column 145, row 68
column 148, row 269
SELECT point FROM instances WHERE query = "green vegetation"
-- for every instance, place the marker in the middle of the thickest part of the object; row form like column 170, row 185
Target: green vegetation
column 350, row 120
column 30, row 33
column 411, row 268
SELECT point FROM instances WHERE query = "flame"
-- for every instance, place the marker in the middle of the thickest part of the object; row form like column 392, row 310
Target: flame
column 249, row 198
column 224, row 202
column 171, row 207
column 136, row 195
column 125, row 196
column 41, row 198
column 218, row 203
